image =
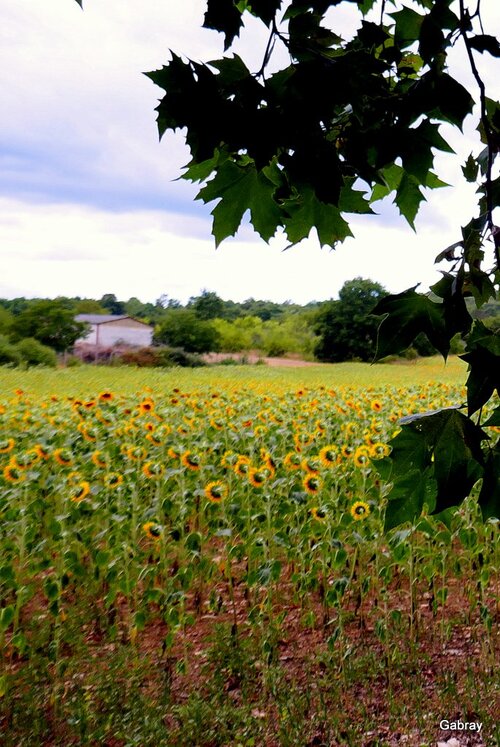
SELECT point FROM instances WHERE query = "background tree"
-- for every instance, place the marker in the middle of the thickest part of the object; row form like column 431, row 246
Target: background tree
column 88, row 306
column 207, row 306
column 112, row 305
column 345, row 328
column 50, row 322
column 181, row 328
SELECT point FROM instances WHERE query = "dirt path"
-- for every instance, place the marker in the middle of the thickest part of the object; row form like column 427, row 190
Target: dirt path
column 252, row 357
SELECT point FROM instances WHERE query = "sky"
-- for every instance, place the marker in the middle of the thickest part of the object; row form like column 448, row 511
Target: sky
column 89, row 198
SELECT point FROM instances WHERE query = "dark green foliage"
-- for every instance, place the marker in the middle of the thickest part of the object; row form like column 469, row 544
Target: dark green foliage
column 436, row 459
column 9, row 354
column 181, row 328
column 346, row 329
column 112, row 305
column 207, row 306
column 50, row 322
column 160, row 357
column 33, row 353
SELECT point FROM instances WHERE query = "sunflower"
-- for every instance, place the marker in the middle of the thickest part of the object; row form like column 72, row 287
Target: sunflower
column 99, row 415
column 191, row 461
column 113, row 480
column 153, row 470
column 28, row 459
column 88, row 433
column 328, row 455
column 379, row 450
column 136, row 453
column 346, row 451
column 12, row 473
column 153, row 530
column 257, row 477
column 361, row 456
column 310, row 465
column 174, row 452
column 106, row 396
column 376, row 405
column 6, row 446
column 292, row 461
column 216, row 423
column 311, row 483
column 228, row 459
column 319, row 514
column 42, row 451
column 80, row 491
column 147, row 405
column 63, row 457
column 155, row 438
column 259, row 430
column 268, row 462
column 216, row 491
column 359, row 510
column 74, row 477
column 242, row 465
column 303, row 439
column 98, row 460
column 350, row 428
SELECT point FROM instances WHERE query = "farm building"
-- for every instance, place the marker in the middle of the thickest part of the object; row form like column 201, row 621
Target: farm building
column 107, row 331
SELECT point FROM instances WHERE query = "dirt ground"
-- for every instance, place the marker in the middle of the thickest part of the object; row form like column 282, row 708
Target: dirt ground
column 254, row 356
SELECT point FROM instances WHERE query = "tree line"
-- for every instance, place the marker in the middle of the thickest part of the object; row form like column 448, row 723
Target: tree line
column 343, row 329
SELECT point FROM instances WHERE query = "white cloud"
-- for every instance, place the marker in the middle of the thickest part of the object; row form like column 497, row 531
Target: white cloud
column 90, row 205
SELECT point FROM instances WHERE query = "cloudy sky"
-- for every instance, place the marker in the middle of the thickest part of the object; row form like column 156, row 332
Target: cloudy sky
column 89, row 202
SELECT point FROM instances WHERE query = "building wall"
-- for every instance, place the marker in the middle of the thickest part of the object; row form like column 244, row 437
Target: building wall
column 127, row 331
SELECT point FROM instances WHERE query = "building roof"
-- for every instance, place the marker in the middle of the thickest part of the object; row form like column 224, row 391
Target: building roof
column 105, row 318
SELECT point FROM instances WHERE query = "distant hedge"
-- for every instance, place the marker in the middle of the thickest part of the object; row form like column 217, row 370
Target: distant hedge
column 26, row 352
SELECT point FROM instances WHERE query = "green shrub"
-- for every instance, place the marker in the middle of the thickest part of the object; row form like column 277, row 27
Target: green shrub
column 9, row 354
column 165, row 357
column 33, row 353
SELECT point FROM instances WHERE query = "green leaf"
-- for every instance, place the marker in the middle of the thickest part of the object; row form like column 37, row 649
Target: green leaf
column 431, row 38
column 494, row 419
column 436, row 459
column 353, row 200
column 223, row 16
column 6, row 617
column 470, row 169
column 483, row 356
column 307, row 212
column 485, row 43
column 407, row 498
column 231, row 69
column 408, row 23
column 365, row 6
column 391, row 178
column 199, row 172
column 457, row 458
column 454, row 101
column 489, row 496
column 51, row 589
column 480, row 285
column 264, row 9
column 407, row 315
column 409, row 197
column 241, row 189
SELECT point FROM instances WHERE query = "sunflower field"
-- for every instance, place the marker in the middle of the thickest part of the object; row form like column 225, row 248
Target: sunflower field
column 216, row 542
